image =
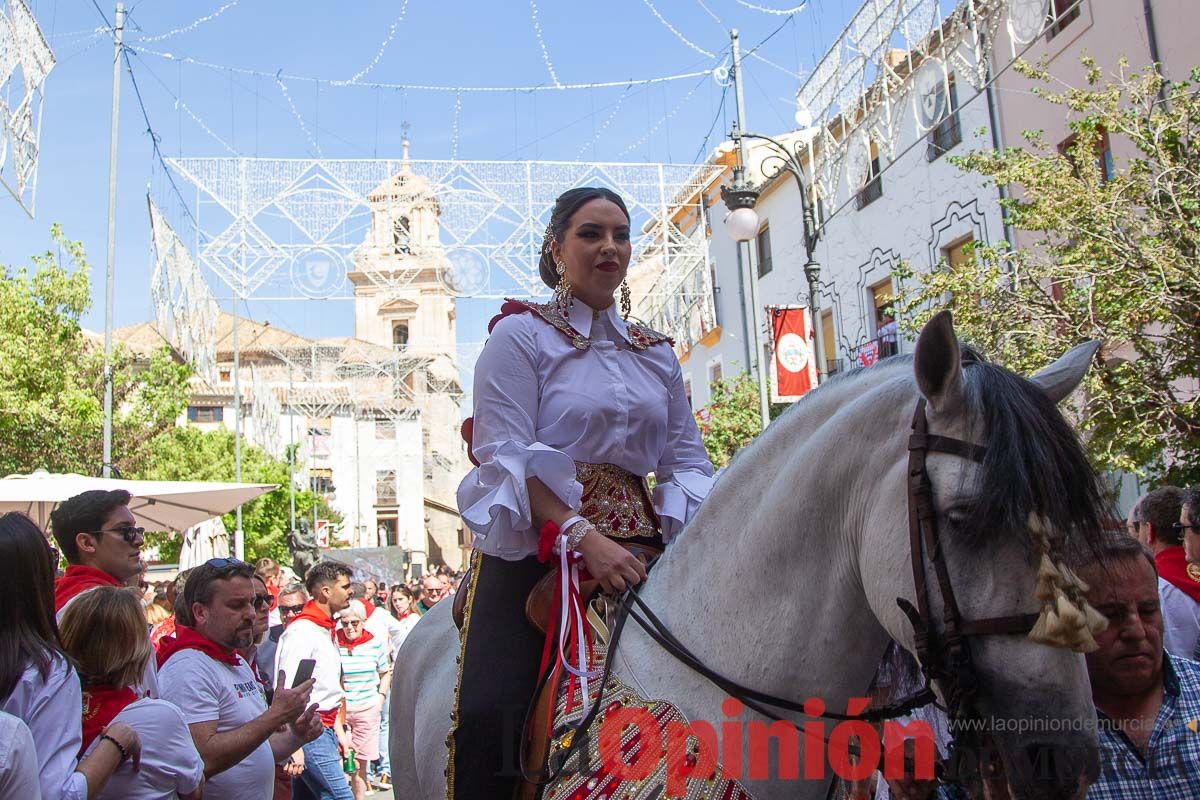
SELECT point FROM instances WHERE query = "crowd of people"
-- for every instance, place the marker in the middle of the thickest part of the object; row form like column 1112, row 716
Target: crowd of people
column 235, row 680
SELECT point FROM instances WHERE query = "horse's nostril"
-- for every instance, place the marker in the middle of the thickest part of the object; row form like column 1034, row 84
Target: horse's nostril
column 1057, row 764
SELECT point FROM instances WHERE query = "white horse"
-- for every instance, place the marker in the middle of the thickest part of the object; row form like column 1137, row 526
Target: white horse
column 787, row 578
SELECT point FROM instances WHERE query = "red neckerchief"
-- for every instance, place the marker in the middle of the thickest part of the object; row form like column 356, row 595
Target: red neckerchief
column 363, row 638
column 369, row 605
column 1173, row 567
column 186, row 638
column 101, row 704
column 77, row 580
column 314, row 614
column 406, row 615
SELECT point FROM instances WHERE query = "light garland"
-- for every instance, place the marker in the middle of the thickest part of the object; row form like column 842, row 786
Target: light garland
column 604, row 125
column 457, row 116
column 709, row 11
column 675, row 31
column 191, row 26
column 780, row 12
column 296, row 113
column 382, row 49
column 537, row 30
column 419, row 87
column 779, row 67
column 664, row 120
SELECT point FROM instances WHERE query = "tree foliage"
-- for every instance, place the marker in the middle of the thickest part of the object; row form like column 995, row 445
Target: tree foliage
column 52, row 375
column 1115, row 260
column 191, row 454
column 732, row 418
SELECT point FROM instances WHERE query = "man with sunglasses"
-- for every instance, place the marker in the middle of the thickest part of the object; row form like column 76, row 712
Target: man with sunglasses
column 102, row 543
column 1154, row 521
column 100, row 539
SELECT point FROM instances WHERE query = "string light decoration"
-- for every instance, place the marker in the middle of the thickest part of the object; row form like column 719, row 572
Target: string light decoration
column 21, row 96
column 537, row 31
column 658, row 15
column 374, row 62
column 184, row 307
column 191, row 26
column 419, row 87
column 266, row 414
column 887, row 76
column 316, row 148
column 781, row 12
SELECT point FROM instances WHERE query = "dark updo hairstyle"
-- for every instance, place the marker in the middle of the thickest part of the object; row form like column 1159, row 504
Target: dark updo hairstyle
column 564, row 208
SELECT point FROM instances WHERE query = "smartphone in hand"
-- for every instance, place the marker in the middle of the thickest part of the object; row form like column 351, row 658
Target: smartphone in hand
column 304, row 671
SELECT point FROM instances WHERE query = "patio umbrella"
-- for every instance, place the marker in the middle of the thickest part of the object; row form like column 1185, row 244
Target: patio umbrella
column 156, row 505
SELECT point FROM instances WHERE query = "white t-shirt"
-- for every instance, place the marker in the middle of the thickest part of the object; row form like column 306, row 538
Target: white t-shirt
column 53, row 711
column 1181, row 620
column 18, row 760
column 304, row 639
column 207, row 690
column 170, row 763
column 400, row 630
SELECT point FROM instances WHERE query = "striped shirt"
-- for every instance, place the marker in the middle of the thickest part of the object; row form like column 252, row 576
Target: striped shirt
column 360, row 671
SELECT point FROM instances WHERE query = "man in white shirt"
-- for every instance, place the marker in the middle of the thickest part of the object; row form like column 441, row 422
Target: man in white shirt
column 100, row 539
column 238, row 735
column 1152, row 522
column 309, row 635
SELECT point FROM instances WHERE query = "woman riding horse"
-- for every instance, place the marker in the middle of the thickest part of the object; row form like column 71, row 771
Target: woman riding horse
column 574, row 406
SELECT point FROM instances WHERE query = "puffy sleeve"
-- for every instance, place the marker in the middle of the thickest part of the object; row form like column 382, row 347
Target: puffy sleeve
column 684, row 474
column 493, row 499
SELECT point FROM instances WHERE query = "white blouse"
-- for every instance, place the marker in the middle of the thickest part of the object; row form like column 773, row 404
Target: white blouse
column 542, row 404
column 53, row 710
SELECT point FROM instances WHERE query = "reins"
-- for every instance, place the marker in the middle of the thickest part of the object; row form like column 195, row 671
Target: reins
column 944, row 657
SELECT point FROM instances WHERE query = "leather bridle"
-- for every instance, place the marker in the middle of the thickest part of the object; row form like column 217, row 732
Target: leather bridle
column 945, row 655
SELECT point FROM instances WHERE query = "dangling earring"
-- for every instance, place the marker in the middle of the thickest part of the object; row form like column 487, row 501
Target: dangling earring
column 626, row 300
column 562, row 292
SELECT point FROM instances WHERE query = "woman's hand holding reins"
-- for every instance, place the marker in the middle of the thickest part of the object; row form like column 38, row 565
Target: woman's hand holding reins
column 608, row 562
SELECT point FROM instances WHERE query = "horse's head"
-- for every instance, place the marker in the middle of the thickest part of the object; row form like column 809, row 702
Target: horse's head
column 1031, row 494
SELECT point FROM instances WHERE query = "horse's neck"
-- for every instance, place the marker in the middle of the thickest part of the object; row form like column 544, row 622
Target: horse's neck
column 764, row 585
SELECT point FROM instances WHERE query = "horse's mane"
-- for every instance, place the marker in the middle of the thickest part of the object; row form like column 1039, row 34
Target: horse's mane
column 1034, row 461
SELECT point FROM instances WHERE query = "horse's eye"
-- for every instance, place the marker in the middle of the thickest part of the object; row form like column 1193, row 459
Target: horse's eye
column 957, row 516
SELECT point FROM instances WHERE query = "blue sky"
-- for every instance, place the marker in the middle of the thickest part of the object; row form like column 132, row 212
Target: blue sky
column 443, row 43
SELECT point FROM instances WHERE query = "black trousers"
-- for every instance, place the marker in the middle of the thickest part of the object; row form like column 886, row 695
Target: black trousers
column 498, row 666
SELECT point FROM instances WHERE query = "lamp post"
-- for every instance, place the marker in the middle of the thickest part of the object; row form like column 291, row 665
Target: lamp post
column 742, row 223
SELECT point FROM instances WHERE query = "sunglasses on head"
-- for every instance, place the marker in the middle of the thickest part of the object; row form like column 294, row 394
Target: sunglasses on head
column 222, row 563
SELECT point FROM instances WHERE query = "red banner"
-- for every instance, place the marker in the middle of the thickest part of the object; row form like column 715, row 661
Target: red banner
column 793, row 352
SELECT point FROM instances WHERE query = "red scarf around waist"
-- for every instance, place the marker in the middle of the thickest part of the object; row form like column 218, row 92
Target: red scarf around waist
column 101, row 704
column 77, row 580
column 186, row 638
column 314, row 614
column 362, row 639
column 1173, row 567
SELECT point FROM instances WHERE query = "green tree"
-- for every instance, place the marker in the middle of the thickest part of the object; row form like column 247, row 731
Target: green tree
column 52, row 375
column 1115, row 260
column 733, row 417
column 190, row 454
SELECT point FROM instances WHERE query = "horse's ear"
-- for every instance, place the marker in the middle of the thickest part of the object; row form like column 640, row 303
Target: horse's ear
column 936, row 363
column 1060, row 378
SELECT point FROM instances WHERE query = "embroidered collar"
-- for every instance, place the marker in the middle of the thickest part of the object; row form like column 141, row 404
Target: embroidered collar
column 639, row 336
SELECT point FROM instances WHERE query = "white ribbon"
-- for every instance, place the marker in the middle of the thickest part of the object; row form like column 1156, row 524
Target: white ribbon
column 568, row 578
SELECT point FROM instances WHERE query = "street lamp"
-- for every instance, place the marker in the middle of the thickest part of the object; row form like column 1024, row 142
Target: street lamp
column 742, row 222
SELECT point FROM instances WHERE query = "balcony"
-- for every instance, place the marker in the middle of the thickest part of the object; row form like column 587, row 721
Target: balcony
column 869, row 194
column 943, row 138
